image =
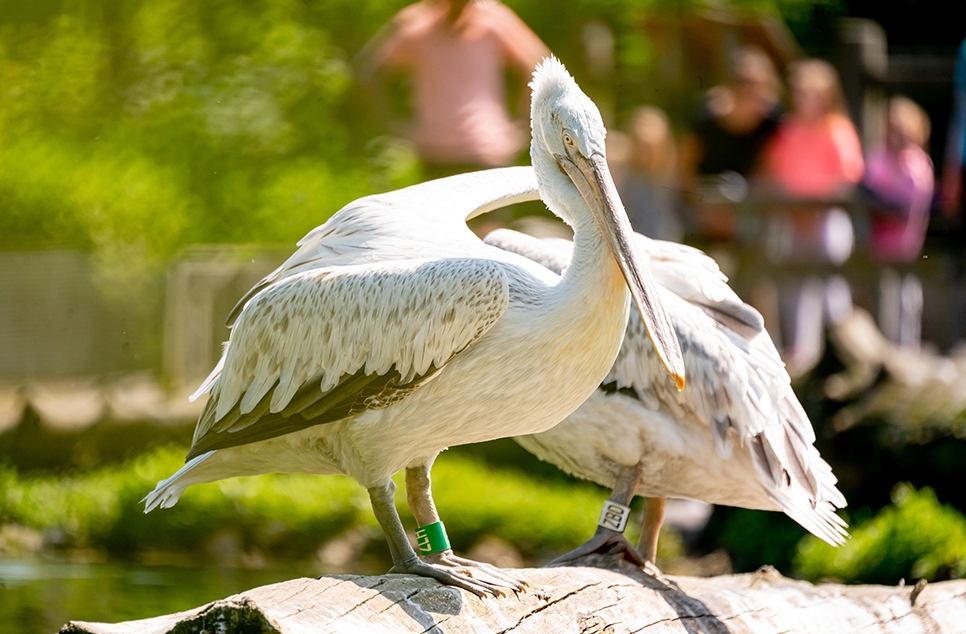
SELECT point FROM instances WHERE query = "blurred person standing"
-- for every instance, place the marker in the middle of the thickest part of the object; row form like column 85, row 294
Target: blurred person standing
column 644, row 169
column 457, row 53
column 815, row 152
column 899, row 176
column 724, row 145
column 899, row 179
column 814, row 155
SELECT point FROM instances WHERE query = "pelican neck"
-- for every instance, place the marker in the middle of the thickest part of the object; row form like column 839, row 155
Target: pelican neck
column 592, row 266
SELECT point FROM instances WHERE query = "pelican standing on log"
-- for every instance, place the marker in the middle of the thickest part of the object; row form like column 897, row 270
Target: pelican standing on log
column 737, row 435
column 394, row 333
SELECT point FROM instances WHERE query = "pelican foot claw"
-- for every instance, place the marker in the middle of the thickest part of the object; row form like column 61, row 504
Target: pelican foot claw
column 463, row 573
column 651, row 569
column 479, row 570
column 606, row 541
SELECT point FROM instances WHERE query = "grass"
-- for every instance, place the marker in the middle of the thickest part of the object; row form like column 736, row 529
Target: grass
column 291, row 515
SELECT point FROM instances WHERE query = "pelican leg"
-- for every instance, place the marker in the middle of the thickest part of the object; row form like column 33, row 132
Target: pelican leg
column 605, row 539
column 651, row 527
column 404, row 558
column 419, row 495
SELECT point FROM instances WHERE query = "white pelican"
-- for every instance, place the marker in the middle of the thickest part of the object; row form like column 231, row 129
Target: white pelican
column 393, row 333
column 737, row 435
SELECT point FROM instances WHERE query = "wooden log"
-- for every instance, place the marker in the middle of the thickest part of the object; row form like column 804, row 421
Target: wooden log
column 618, row 599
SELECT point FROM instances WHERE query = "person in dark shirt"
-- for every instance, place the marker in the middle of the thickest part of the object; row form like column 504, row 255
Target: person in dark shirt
column 722, row 149
column 731, row 150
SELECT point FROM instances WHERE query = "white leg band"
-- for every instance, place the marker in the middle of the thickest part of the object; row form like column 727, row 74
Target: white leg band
column 614, row 516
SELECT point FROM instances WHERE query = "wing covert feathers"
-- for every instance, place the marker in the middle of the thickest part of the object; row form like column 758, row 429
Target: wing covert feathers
column 328, row 343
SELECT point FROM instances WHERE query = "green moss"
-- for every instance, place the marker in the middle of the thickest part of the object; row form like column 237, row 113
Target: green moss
column 914, row 537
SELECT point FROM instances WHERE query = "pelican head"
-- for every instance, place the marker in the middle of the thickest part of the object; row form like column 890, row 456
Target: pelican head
column 568, row 156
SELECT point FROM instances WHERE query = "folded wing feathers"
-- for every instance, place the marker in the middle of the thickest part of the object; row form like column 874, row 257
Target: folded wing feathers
column 321, row 325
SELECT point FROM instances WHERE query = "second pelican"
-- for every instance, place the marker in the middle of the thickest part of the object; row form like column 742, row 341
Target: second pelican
column 736, row 435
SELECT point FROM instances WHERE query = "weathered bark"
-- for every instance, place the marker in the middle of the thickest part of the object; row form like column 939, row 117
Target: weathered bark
column 563, row 600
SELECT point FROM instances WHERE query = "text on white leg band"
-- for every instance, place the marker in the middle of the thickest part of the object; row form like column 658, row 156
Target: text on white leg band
column 614, row 516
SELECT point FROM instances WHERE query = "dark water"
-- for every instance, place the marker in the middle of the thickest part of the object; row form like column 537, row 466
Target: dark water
column 40, row 597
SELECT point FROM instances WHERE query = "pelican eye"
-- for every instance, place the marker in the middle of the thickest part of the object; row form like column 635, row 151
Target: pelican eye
column 569, row 140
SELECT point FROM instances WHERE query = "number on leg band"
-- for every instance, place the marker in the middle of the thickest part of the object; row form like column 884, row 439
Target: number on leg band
column 432, row 538
column 614, row 516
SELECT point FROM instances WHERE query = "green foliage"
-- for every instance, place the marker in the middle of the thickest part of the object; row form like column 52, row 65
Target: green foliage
column 134, row 128
column 102, row 508
column 291, row 515
column 914, row 537
column 813, row 22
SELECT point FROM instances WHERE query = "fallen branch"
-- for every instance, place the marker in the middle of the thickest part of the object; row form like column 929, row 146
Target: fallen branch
column 617, row 600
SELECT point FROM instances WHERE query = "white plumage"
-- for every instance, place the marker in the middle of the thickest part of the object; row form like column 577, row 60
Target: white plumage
column 393, row 332
column 737, row 435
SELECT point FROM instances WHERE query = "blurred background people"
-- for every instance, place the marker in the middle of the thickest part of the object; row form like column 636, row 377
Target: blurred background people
column 457, row 54
column 899, row 180
column 815, row 154
column 644, row 164
column 725, row 142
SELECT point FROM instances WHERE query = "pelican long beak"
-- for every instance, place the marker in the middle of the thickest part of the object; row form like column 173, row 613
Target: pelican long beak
column 593, row 180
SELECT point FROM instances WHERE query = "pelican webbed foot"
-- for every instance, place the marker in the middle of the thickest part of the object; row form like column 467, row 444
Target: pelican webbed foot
column 456, row 575
column 420, row 498
column 605, row 541
column 478, row 571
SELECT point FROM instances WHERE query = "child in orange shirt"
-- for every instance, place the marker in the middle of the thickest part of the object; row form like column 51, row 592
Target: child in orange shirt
column 815, row 151
column 815, row 154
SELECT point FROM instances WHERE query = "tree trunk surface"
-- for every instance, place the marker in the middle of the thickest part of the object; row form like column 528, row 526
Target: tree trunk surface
column 618, row 599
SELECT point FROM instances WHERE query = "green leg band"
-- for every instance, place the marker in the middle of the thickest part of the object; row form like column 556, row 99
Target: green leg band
column 432, row 539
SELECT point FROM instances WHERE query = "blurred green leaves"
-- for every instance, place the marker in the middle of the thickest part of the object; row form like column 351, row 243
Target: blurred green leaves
column 134, row 128
column 914, row 537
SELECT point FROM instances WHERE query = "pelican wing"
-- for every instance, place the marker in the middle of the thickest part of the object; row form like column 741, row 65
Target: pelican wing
column 324, row 344
column 404, row 224
column 695, row 277
column 552, row 253
column 738, row 385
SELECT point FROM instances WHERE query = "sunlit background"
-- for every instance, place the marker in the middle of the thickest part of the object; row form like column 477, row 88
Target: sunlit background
column 157, row 158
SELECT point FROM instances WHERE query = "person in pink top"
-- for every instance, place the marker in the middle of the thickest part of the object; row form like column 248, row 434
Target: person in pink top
column 900, row 178
column 814, row 155
column 458, row 53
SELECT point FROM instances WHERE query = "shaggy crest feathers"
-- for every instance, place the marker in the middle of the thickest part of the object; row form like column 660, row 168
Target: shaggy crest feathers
column 558, row 102
column 549, row 76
